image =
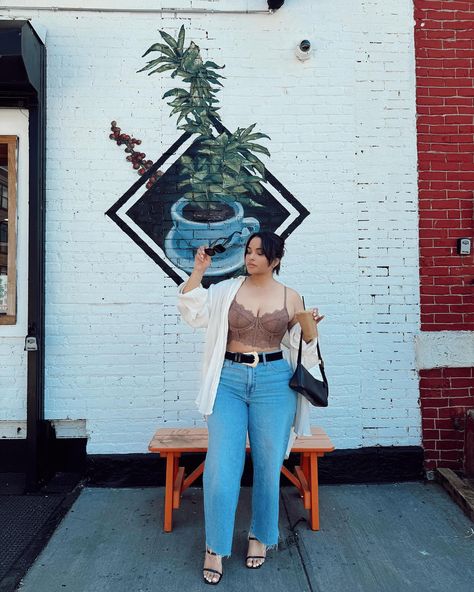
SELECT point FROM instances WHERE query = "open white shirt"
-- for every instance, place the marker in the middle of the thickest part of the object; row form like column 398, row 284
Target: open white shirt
column 209, row 308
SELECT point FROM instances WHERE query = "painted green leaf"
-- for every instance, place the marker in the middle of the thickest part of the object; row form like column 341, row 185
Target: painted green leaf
column 200, row 175
column 234, row 165
column 162, row 69
column 215, row 188
column 160, row 47
column 254, row 178
column 210, row 64
column 239, row 189
column 169, row 40
column 178, row 101
column 183, row 113
column 206, row 151
column 255, row 204
column 256, row 136
column 189, row 195
column 258, row 189
column 215, row 178
column 260, row 167
column 181, row 38
column 261, row 149
column 152, row 64
column 248, row 130
column 190, row 57
column 178, row 109
column 178, row 92
column 213, row 77
column 227, row 180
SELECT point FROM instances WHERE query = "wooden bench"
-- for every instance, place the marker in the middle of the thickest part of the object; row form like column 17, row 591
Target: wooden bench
column 170, row 443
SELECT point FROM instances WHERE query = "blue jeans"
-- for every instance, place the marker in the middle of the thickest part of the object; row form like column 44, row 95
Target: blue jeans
column 258, row 400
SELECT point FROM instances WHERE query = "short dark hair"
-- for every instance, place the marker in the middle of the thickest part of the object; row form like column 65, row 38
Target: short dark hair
column 273, row 246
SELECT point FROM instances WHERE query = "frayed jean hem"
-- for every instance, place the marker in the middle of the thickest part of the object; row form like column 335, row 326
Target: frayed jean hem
column 222, row 556
column 267, row 547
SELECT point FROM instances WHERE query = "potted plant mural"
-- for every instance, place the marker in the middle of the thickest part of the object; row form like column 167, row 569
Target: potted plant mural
column 221, row 172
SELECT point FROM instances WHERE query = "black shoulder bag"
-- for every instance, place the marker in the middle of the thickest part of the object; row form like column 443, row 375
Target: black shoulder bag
column 302, row 381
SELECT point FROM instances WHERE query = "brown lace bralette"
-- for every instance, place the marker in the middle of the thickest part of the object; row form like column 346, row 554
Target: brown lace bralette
column 262, row 332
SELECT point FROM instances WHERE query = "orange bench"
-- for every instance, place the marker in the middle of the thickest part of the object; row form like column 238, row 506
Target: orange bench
column 170, row 443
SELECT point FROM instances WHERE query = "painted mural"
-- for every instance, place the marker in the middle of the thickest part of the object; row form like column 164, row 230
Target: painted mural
column 209, row 187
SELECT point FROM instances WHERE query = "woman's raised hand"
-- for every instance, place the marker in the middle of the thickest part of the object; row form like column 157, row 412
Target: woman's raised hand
column 202, row 260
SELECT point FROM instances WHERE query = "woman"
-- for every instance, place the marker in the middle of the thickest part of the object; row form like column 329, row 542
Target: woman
column 252, row 315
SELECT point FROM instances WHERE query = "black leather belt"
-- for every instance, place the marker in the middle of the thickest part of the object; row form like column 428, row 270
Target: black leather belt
column 253, row 358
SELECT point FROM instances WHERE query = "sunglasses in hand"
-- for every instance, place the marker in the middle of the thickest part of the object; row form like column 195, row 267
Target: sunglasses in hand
column 213, row 249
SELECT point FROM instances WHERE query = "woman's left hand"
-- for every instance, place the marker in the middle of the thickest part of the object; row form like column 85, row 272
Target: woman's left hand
column 316, row 316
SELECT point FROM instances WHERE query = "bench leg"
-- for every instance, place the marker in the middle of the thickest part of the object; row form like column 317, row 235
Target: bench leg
column 313, row 484
column 304, row 463
column 170, row 472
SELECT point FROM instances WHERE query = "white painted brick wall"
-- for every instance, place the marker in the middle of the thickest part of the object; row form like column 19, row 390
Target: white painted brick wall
column 12, row 378
column 342, row 129
column 386, row 196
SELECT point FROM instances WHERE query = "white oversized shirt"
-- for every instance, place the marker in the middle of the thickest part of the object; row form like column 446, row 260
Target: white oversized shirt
column 209, row 308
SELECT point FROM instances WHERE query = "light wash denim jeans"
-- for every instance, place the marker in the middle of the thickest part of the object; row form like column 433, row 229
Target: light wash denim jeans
column 258, row 400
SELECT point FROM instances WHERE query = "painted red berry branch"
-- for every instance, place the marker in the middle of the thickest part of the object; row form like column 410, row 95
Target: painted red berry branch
column 136, row 158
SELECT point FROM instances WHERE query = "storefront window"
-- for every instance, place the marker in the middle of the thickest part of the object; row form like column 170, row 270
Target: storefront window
column 8, row 183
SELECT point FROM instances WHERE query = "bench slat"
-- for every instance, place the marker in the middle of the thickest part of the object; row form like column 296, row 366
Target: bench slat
column 196, row 439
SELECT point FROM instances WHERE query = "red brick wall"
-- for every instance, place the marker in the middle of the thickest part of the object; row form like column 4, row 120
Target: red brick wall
column 445, row 394
column 444, row 50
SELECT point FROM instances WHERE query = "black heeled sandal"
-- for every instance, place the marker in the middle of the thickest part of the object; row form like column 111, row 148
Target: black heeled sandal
column 254, row 557
column 213, row 571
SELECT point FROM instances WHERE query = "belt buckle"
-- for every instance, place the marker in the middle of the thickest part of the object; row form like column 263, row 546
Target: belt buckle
column 255, row 361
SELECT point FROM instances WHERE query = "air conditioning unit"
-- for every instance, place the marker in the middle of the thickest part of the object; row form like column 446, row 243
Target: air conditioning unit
column 469, row 444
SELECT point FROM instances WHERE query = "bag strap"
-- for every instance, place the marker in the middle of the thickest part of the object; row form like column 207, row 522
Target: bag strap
column 321, row 364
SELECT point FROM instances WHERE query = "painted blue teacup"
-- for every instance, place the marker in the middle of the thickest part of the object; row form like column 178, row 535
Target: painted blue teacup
column 187, row 235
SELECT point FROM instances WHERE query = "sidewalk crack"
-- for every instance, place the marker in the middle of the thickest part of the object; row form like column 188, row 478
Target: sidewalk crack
column 295, row 541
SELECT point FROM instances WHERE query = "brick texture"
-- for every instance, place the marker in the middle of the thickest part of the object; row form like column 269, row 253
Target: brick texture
column 444, row 44
column 445, row 394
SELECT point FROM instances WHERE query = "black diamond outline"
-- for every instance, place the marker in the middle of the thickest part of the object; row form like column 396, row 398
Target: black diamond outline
column 112, row 211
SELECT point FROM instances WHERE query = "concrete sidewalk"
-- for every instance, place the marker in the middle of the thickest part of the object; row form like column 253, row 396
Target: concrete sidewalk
column 373, row 538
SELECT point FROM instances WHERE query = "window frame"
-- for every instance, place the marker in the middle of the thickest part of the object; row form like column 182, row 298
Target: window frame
column 10, row 317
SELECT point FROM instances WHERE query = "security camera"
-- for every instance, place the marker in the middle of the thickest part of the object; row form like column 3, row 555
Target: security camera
column 275, row 4
column 305, row 45
column 303, row 50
